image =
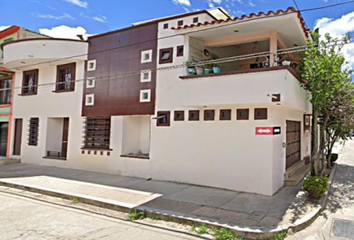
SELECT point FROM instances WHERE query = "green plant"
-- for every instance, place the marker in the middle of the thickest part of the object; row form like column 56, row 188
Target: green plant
column 188, row 63
column 224, row 234
column 316, row 186
column 136, row 215
column 76, row 200
column 200, row 230
column 156, row 218
column 278, row 236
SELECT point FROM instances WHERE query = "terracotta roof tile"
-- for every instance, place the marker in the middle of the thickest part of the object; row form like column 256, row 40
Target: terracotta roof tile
column 252, row 15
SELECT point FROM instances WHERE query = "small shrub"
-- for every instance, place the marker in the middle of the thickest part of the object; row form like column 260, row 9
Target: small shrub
column 278, row 236
column 224, row 234
column 202, row 229
column 76, row 200
column 316, row 186
column 136, row 215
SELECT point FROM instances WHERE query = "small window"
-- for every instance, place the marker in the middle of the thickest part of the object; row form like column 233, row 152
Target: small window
column 97, row 133
column 90, row 100
column 5, row 91
column 209, row 115
column 33, row 132
column 145, row 95
column 195, row 20
column 166, row 55
column 242, row 114
column 165, row 26
column 66, row 77
column 146, row 56
column 225, row 114
column 180, row 23
column 193, row 115
column 260, row 114
column 91, row 65
column 180, row 51
column 145, row 76
column 163, row 119
column 90, row 82
column 30, row 82
column 179, row 116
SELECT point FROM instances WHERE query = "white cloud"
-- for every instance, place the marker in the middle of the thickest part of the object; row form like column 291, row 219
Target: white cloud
column 211, row 5
column 217, row 1
column 3, row 27
column 252, row 4
column 65, row 32
column 101, row 19
column 50, row 16
column 339, row 28
column 78, row 3
column 182, row 2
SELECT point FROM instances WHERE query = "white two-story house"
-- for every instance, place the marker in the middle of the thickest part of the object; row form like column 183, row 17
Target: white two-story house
column 237, row 119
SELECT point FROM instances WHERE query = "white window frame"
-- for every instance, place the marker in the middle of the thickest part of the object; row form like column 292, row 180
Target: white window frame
column 88, row 85
column 143, row 53
column 92, row 96
column 148, row 91
column 142, row 74
column 88, row 65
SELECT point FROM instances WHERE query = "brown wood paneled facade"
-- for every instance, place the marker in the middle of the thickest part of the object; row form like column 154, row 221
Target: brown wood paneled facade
column 120, row 95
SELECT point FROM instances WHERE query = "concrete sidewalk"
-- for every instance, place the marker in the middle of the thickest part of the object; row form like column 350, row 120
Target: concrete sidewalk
column 232, row 209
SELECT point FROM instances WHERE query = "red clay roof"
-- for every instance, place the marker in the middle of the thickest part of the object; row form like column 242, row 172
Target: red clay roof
column 252, row 15
column 9, row 31
column 4, row 69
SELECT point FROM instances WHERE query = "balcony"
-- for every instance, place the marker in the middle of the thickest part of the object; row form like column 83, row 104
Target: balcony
column 248, row 86
column 33, row 53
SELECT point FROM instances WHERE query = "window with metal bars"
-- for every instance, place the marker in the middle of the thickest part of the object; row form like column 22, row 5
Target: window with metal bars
column 66, row 77
column 5, row 91
column 97, row 133
column 29, row 82
column 33, row 132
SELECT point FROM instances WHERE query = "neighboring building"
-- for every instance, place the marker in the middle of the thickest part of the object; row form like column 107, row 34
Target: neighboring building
column 6, row 80
column 142, row 116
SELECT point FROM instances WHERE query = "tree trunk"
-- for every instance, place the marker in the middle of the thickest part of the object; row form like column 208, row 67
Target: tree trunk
column 323, row 143
column 314, row 154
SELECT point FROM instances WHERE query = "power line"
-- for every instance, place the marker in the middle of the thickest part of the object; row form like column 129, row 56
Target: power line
column 200, row 30
column 200, row 63
column 327, row 6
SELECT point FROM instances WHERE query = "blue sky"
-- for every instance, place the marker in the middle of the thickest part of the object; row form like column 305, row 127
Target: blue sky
column 96, row 16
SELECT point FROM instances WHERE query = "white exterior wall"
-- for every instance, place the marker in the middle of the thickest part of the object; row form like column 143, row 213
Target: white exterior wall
column 223, row 154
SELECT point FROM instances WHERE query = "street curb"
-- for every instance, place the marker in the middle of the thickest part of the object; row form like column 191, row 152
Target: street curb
column 246, row 232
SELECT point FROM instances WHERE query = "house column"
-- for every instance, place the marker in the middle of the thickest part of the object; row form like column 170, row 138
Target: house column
column 273, row 48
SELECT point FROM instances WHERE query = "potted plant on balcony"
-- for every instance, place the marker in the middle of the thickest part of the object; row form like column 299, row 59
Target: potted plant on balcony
column 286, row 61
column 216, row 68
column 190, row 68
column 199, row 70
column 208, row 68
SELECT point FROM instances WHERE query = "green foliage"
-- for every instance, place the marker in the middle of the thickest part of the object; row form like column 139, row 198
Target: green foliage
column 316, row 186
column 202, row 229
column 76, row 200
column 278, row 236
column 136, row 215
column 224, row 234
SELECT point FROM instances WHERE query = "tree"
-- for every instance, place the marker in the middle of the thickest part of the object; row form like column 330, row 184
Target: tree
column 326, row 78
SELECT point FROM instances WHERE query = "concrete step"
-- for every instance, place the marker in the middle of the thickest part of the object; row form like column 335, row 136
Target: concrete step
column 297, row 176
column 291, row 170
column 7, row 161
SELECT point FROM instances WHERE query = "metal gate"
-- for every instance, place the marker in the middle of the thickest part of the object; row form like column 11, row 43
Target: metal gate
column 293, row 143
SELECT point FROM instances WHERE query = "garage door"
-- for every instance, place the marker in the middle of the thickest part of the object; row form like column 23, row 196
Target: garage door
column 293, row 143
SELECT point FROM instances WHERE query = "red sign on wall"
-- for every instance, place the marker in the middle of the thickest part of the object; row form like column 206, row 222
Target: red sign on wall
column 264, row 131
column 268, row 130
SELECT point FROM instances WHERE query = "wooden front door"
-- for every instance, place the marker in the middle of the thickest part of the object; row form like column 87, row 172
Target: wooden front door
column 18, row 137
column 4, row 127
column 64, row 145
column 293, row 143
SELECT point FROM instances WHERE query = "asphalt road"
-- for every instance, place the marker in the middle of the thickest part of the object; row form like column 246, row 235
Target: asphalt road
column 23, row 218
